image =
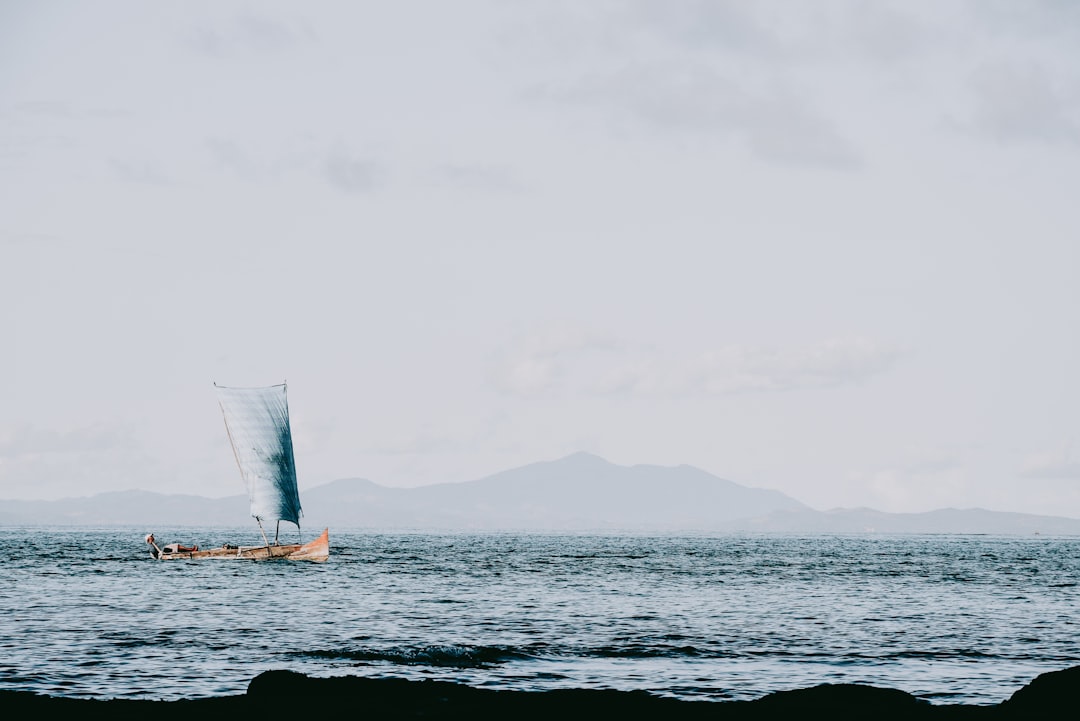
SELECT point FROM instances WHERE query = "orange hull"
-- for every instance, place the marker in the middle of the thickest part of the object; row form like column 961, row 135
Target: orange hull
column 317, row 550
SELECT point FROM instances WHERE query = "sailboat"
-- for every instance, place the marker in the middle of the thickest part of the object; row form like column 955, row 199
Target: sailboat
column 257, row 423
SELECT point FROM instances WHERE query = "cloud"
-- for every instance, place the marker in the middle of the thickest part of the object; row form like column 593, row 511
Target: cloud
column 39, row 134
column 880, row 32
column 333, row 163
column 730, row 24
column 1038, row 19
column 351, row 173
column 785, row 34
column 46, row 463
column 592, row 364
column 458, row 433
column 529, row 375
column 231, row 155
column 478, row 177
column 44, row 109
column 540, row 362
column 827, row 364
column 25, row 440
column 931, row 464
column 637, row 376
column 28, row 240
column 911, row 490
column 140, row 172
column 1051, row 466
column 420, row 442
column 428, row 439
column 248, row 34
column 298, row 153
column 29, row 128
column 783, row 80
column 776, row 125
column 1022, row 103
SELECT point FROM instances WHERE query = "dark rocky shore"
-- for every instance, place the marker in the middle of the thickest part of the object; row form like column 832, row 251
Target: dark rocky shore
column 294, row 695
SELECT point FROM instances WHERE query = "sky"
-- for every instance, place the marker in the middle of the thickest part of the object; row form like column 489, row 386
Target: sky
column 828, row 248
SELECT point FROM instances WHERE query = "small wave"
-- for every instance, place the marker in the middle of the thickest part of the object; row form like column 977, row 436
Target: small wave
column 965, row 654
column 440, row 655
column 644, row 651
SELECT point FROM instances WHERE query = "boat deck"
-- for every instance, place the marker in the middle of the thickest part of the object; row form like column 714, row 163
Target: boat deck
column 317, row 550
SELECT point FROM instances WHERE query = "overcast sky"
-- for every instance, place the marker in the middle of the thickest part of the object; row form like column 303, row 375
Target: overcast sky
column 830, row 248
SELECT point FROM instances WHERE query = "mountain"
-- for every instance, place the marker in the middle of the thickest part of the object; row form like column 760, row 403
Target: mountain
column 128, row 508
column 578, row 493
column 581, row 491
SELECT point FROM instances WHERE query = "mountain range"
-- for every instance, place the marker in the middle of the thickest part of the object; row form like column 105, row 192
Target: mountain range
column 581, row 492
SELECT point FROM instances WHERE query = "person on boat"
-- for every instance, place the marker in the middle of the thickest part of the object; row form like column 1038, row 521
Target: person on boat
column 170, row 548
column 180, row 548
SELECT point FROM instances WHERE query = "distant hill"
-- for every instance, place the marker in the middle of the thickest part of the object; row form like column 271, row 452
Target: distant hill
column 578, row 493
column 128, row 508
column 581, row 491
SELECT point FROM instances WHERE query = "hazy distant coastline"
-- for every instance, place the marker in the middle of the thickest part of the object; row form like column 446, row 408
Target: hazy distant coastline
column 581, row 492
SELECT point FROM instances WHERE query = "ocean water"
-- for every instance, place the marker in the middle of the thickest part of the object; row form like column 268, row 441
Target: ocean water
column 952, row 619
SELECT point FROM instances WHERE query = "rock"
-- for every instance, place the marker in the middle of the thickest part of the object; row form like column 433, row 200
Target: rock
column 1052, row 693
column 842, row 701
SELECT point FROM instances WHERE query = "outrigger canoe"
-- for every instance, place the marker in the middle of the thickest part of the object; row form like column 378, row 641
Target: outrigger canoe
column 317, row 550
column 257, row 423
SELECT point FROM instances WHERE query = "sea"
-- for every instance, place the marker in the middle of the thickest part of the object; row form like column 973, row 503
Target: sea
column 949, row 618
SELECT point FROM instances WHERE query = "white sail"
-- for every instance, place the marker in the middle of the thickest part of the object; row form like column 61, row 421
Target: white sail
column 257, row 421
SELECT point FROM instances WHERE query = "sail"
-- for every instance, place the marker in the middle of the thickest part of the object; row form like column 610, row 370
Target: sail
column 257, row 421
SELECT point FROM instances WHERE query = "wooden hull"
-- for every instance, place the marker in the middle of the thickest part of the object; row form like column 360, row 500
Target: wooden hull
column 317, row 550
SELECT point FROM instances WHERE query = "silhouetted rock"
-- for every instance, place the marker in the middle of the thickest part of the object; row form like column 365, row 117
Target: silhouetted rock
column 276, row 691
column 290, row 694
column 403, row 699
column 25, row 705
column 1050, row 694
column 843, row 701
